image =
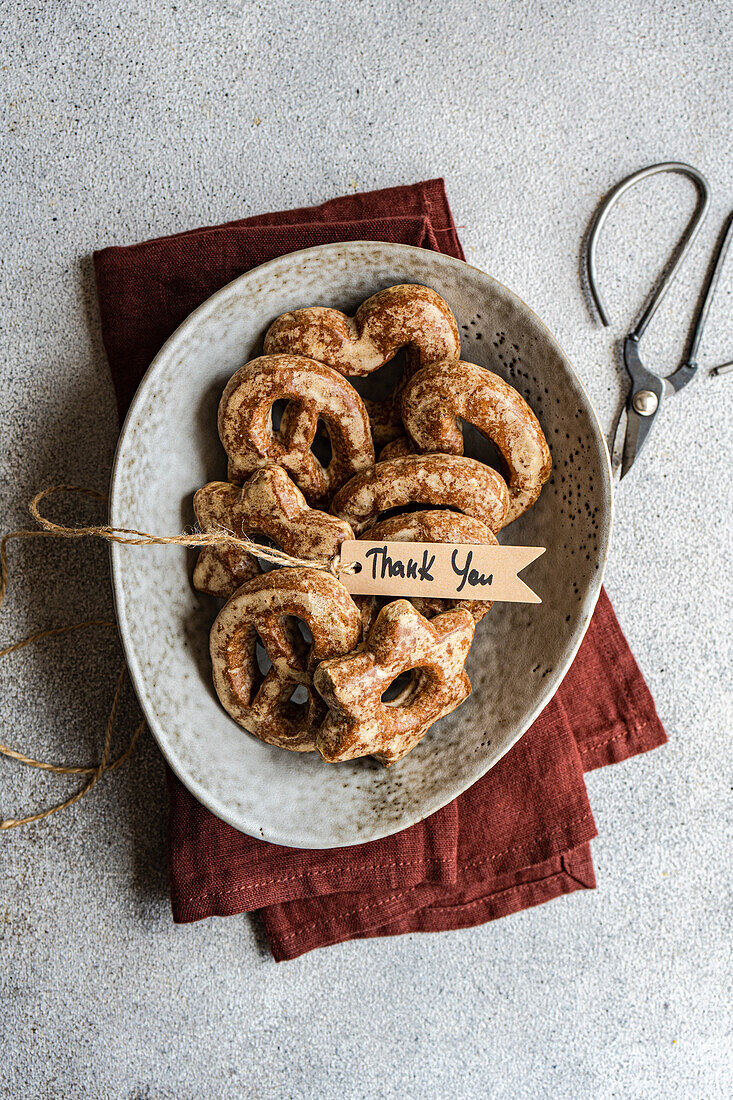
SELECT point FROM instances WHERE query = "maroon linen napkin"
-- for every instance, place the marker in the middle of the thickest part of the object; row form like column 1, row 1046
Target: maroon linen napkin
column 520, row 835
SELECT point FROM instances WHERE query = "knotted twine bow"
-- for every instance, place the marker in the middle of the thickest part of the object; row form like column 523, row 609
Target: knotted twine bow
column 130, row 537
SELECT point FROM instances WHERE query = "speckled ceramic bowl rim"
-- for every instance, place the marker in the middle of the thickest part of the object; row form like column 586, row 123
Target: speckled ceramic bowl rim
column 200, row 791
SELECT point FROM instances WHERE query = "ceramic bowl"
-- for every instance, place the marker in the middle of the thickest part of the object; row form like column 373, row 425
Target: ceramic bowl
column 169, row 447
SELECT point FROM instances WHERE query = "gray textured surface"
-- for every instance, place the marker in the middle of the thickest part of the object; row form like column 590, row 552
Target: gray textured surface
column 144, row 120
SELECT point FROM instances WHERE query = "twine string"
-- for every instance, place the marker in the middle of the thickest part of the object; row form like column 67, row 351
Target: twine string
column 94, row 771
column 129, row 536
column 219, row 536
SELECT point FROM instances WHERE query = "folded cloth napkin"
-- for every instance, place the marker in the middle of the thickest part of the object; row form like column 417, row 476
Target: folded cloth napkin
column 520, row 835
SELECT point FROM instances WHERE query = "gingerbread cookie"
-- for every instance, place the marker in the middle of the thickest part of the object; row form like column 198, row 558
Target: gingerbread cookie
column 266, row 607
column 316, row 394
column 409, row 316
column 359, row 722
column 459, row 483
column 440, row 395
column 269, row 504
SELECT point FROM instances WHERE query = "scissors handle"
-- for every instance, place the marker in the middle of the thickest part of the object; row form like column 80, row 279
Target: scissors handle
column 709, row 295
column 682, row 249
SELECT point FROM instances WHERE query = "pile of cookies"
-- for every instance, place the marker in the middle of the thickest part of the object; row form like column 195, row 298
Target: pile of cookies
column 375, row 675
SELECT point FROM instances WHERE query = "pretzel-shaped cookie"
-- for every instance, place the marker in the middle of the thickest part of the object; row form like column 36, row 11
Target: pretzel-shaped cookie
column 462, row 484
column 442, row 526
column 268, row 504
column 316, row 393
column 266, row 606
column 408, row 316
column 359, row 723
column 439, row 394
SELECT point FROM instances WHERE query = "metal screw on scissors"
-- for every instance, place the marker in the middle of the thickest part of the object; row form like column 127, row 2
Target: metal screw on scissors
column 647, row 389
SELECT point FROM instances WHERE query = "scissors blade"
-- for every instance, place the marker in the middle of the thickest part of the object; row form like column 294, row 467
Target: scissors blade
column 617, row 447
column 637, row 433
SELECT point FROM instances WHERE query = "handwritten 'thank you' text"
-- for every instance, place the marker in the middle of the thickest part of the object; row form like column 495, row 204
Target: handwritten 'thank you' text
column 440, row 570
column 386, row 565
column 469, row 576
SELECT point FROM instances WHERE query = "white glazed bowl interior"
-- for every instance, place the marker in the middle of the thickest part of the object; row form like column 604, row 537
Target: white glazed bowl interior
column 169, row 447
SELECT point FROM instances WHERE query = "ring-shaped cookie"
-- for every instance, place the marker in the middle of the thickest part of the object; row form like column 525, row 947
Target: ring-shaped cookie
column 266, row 607
column 359, row 721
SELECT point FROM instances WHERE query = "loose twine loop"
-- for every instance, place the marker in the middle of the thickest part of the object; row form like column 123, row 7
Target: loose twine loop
column 129, row 537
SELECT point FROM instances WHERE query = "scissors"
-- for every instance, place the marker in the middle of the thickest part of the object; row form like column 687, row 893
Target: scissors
column 647, row 389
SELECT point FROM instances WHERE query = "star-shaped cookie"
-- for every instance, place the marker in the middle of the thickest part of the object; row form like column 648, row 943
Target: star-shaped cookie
column 360, row 722
column 269, row 504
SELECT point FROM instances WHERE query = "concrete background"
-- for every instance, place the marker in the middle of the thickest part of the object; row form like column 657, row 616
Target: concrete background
column 144, row 119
